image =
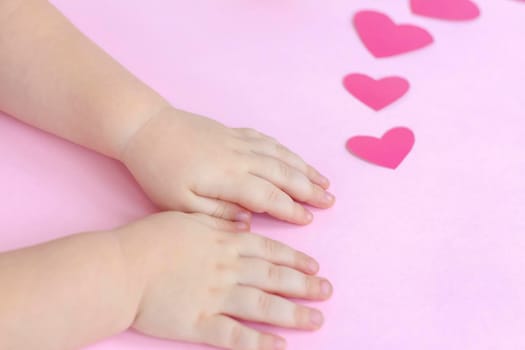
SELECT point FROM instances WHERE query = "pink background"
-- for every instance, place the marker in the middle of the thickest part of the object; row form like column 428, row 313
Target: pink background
column 430, row 256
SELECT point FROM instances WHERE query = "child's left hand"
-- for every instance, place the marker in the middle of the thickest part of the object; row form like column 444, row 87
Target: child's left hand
column 191, row 163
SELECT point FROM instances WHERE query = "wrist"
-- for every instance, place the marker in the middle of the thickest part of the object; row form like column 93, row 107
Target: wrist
column 136, row 268
column 134, row 132
column 136, row 125
column 66, row 293
column 130, row 287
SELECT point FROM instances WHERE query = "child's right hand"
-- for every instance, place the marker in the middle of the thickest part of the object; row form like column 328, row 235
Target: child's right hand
column 195, row 279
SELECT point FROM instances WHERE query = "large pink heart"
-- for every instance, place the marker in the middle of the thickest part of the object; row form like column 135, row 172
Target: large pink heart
column 455, row 10
column 377, row 94
column 388, row 151
column 383, row 38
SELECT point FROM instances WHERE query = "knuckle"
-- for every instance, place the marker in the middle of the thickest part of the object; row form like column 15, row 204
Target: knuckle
column 280, row 149
column 310, row 171
column 225, row 239
column 218, row 224
column 259, row 200
column 299, row 259
column 230, row 248
column 305, row 190
column 269, row 139
column 231, row 252
column 274, row 274
column 300, row 315
column 215, row 291
column 224, row 266
column 309, row 286
column 219, row 212
column 238, row 152
column 284, row 170
column 273, row 194
column 240, row 241
column 315, row 192
column 255, row 132
column 264, row 304
column 202, row 317
column 271, row 247
column 250, row 132
column 258, row 206
column 235, row 337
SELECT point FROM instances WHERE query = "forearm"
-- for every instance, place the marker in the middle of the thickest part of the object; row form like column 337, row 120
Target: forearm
column 53, row 77
column 64, row 294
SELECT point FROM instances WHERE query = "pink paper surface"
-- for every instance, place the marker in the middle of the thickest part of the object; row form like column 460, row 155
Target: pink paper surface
column 430, row 256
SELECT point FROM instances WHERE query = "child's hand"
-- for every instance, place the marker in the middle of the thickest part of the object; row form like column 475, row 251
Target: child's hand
column 184, row 162
column 193, row 164
column 197, row 280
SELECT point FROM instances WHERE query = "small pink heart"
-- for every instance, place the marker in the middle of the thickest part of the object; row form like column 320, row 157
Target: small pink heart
column 388, row 151
column 455, row 10
column 383, row 38
column 376, row 94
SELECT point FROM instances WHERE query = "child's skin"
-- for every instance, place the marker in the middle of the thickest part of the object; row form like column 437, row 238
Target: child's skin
column 171, row 275
column 52, row 77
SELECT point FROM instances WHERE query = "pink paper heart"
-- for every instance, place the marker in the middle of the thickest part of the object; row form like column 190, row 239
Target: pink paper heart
column 388, row 151
column 376, row 94
column 455, row 10
column 383, row 38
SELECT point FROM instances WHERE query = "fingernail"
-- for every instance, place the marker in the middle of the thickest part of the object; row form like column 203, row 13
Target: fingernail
column 316, row 318
column 328, row 198
column 324, row 180
column 243, row 216
column 312, row 266
column 326, row 288
column 309, row 217
column 279, row 344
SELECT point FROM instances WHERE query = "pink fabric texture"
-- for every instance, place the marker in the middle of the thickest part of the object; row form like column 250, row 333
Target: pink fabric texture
column 428, row 256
